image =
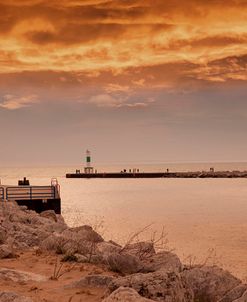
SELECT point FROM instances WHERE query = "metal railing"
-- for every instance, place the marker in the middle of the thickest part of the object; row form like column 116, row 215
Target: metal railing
column 1, row 193
column 29, row 192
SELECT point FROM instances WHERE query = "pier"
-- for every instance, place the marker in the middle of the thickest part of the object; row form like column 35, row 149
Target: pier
column 90, row 172
column 37, row 198
column 199, row 174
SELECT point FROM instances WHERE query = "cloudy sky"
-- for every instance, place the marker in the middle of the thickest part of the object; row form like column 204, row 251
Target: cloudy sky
column 132, row 80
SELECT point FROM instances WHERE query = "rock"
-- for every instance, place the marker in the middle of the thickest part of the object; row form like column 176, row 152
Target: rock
column 166, row 261
column 125, row 294
column 242, row 299
column 91, row 281
column 23, row 229
column 107, row 248
column 3, row 235
column 49, row 214
column 6, row 251
column 22, row 237
column 26, row 228
column 159, row 286
column 236, row 293
column 7, row 274
column 52, row 226
column 13, row 297
column 96, row 259
column 142, row 250
column 210, row 283
column 83, row 233
column 51, row 242
column 21, row 217
column 59, row 244
column 81, row 258
column 125, row 264
column 62, row 244
column 23, row 208
column 81, row 240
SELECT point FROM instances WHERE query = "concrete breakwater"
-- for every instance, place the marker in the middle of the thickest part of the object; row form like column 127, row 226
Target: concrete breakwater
column 197, row 174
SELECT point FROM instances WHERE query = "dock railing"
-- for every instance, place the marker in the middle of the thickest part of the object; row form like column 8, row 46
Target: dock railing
column 12, row 193
column 2, row 193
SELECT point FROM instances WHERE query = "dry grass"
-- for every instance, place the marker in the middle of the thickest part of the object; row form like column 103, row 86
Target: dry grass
column 59, row 271
column 211, row 258
column 158, row 240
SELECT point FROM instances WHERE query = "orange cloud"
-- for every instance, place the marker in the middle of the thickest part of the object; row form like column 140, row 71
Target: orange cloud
column 110, row 101
column 161, row 43
column 12, row 102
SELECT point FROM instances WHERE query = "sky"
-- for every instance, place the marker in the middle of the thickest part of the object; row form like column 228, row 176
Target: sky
column 134, row 81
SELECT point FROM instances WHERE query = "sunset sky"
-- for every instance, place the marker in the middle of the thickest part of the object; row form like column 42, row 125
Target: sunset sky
column 133, row 81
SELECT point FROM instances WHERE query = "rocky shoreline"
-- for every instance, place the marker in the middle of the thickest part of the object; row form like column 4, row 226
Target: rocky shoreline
column 42, row 259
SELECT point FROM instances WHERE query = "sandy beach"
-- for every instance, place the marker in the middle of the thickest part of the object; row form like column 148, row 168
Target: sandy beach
column 52, row 290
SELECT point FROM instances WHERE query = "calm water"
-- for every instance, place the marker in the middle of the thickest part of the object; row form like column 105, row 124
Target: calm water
column 201, row 217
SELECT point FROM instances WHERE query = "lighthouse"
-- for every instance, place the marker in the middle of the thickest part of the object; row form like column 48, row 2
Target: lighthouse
column 88, row 168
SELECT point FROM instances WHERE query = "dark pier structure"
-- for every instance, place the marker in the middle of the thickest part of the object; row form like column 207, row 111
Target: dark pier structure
column 220, row 174
column 37, row 198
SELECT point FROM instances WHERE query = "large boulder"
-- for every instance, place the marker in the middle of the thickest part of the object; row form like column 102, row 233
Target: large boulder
column 49, row 214
column 125, row 294
column 81, row 240
column 6, row 251
column 83, row 233
column 142, row 250
column 7, row 274
column 23, row 217
column 80, row 258
column 165, row 261
column 91, row 281
column 243, row 298
column 13, row 297
column 60, row 244
column 21, row 236
column 26, row 228
column 235, row 294
column 159, row 286
column 125, row 264
column 69, row 246
column 210, row 283
column 107, row 248
column 3, row 235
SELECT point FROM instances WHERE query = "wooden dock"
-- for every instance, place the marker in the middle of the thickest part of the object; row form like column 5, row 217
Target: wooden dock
column 198, row 174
